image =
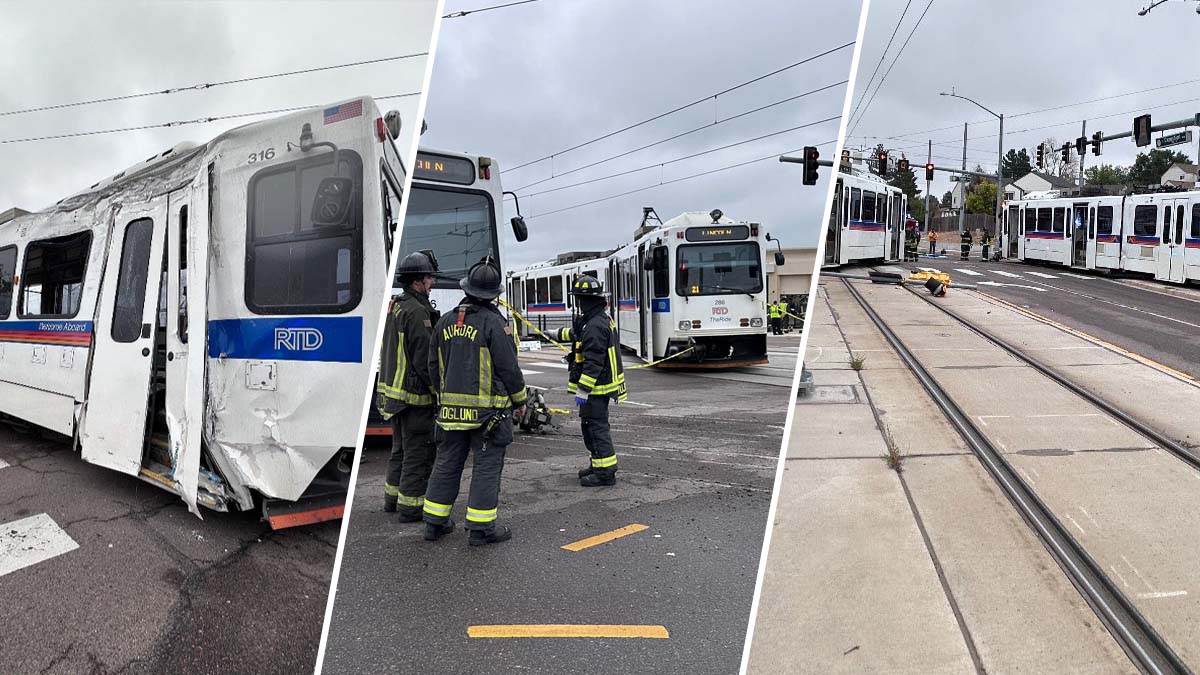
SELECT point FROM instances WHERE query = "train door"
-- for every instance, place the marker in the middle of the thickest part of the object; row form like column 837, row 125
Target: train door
column 1090, row 258
column 1171, row 251
column 1079, row 238
column 645, row 316
column 118, row 396
column 1011, row 226
column 834, row 227
column 614, row 297
column 896, row 220
column 1024, row 220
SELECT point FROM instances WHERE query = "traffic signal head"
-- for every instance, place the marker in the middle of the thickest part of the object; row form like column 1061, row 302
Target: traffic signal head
column 1066, row 153
column 811, row 155
column 1081, row 144
column 1041, row 155
column 902, row 165
column 1141, row 131
column 929, row 171
column 883, row 162
column 1097, row 139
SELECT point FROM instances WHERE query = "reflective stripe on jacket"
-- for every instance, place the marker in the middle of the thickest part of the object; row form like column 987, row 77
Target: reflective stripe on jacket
column 404, row 378
column 473, row 363
column 596, row 368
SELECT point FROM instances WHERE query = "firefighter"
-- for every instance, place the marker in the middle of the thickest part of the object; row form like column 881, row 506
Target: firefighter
column 985, row 240
column 775, row 317
column 933, row 237
column 405, row 394
column 595, row 377
column 965, row 244
column 479, row 386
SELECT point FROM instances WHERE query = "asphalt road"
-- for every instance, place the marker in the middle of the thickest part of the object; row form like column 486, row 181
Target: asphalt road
column 149, row 588
column 1155, row 320
column 698, row 455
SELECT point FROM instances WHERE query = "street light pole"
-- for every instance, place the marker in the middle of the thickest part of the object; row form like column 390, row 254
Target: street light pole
column 999, row 158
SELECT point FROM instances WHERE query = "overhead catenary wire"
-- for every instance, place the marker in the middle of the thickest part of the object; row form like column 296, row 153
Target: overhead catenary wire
column 672, row 111
column 679, row 135
column 180, row 123
column 774, row 155
column 465, row 12
column 895, row 59
column 208, row 85
column 882, row 58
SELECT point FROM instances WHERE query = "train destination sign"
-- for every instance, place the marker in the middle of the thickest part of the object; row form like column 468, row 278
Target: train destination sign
column 458, row 170
column 717, row 233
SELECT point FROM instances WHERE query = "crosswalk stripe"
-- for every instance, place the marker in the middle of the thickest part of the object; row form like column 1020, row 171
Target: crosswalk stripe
column 1076, row 276
column 969, row 272
column 530, row 372
column 30, row 541
column 1042, row 275
column 1006, row 274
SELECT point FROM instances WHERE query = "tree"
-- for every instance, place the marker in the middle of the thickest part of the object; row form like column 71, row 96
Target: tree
column 1107, row 174
column 982, row 198
column 948, row 200
column 1016, row 164
column 1055, row 166
column 907, row 182
column 1148, row 168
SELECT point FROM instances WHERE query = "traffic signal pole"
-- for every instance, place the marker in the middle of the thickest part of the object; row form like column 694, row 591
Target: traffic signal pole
column 928, row 186
column 962, row 209
column 1082, row 155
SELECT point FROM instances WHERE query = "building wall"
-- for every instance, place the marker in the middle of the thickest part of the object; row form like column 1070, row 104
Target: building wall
column 795, row 276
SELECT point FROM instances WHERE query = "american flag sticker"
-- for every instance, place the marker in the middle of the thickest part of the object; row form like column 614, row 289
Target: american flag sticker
column 344, row 111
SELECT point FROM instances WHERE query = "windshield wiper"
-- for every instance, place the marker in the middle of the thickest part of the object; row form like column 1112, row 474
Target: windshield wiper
column 735, row 290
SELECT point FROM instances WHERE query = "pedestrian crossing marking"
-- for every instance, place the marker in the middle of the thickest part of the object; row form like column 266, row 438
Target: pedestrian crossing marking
column 968, row 272
column 30, row 541
column 530, row 372
column 552, row 630
column 606, row 537
column 997, row 283
column 1076, row 276
column 1006, row 274
column 1041, row 274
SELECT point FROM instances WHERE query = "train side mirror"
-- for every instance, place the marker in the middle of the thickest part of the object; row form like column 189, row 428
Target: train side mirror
column 392, row 122
column 331, row 206
column 779, row 259
column 520, row 229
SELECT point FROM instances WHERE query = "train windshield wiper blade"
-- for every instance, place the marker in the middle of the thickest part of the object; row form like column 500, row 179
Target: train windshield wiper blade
column 727, row 288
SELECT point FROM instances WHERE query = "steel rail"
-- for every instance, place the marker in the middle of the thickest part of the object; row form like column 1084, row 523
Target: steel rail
column 1141, row 643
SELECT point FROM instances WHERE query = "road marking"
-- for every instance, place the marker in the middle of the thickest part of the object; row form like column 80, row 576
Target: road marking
column 1006, row 274
column 1028, row 478
column 996, row 283
column 1119, row 575
column 552, row 630
column 1076, row 524
column 1041, row 274
column 1089, row 517
column 530, row 372
column 1161, row 594
column 4, row 464
column 550, row 364
column 968, row 272
column 1139, row 574
column 606, row 537
column 30, row 541
column 929, row 269
column 1077, row 276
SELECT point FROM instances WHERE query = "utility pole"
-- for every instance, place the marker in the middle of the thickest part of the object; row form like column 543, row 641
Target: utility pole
column 928, row 187
column 999, row 185
column 962, row 210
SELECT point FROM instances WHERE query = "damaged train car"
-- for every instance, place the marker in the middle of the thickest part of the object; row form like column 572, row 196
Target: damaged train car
column 205, row 320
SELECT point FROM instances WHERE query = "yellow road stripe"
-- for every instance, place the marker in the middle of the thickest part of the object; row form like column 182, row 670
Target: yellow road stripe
column 606, row 537
column 554, row 630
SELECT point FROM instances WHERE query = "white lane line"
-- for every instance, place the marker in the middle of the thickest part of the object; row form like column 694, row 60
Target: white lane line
column 644, row 405
column 4, row 464
column 551, row 364
column 1077, row 276
column 1041, row 274
column 530, row 372
column 1006, row 274
column 1161, row 594
column 996, row 283
column 968, row 272
column 30, row 541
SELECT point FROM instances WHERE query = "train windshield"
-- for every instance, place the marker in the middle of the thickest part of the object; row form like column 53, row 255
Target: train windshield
column 718, row 269
column 459, row 226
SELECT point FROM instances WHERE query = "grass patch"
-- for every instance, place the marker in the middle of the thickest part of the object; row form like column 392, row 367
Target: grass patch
column 857, row 361
column 893, row 457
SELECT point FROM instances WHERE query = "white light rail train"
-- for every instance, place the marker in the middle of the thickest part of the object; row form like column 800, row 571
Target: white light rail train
column 205, row 319
column 696, row 283
column 1156, row 234
column 866, row 223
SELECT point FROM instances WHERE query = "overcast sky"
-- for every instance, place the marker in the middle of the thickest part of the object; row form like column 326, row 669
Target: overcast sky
column 1021, row 56
column 527, row 81
column 57, row 53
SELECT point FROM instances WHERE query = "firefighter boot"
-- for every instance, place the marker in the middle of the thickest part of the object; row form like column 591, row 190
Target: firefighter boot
column 433, row 532
column 389, row 503
column 410, row 515
column 583, row 473
column 599, row 478
column 499, row 534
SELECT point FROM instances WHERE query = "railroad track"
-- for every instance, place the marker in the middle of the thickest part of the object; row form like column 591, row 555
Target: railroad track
column 1132, row 631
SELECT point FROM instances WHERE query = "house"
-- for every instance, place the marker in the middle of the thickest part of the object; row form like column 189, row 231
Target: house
column 1181, row 175
column 1036, row 181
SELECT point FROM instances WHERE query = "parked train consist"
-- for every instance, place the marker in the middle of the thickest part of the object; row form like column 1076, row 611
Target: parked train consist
column 1156, row 234
column 694, row 284
column 205, row 320
column 866, row 223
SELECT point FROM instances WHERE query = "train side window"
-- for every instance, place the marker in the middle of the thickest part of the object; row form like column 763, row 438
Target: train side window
column 183, row 309
column 134, row 272
column 390, row 191
column 1060, row 219
column 855, row 203
column 1030, row 222
column 662, row 272
column 1166, row 229
column 1179, row 216
column 1145, row 221
column 543, row 291
column 1043, row 220
column 518, row 294
column 8, row 269
column 1196, row 221
column 1104, row 220
column 556, row 289
column 52, row 277
column 293, row 265
column 868, row 207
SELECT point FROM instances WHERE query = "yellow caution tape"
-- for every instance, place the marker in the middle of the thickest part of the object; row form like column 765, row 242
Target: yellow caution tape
column 532, row 327
column 655, row 363
column 556, row 411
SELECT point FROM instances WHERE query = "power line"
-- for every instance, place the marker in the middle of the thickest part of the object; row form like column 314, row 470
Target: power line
column 882, row 57
column 180, row 123
column 893, row 65
column 680, row 159
column 684, row 107
column 674, row 180
column 455, row 15
column 208, row 85
column 680, row 135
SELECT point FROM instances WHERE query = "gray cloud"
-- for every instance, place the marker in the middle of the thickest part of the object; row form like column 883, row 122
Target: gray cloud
column 520, row 83
column 58, row 53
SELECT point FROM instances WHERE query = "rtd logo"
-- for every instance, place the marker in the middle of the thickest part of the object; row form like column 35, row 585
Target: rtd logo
column 720, row 310
column 298, row 339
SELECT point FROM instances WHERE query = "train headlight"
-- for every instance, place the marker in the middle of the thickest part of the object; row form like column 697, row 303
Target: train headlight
column 684, row 325
column 756, row 322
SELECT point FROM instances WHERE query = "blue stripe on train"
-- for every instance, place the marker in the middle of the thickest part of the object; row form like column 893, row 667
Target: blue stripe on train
column 297, row 338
